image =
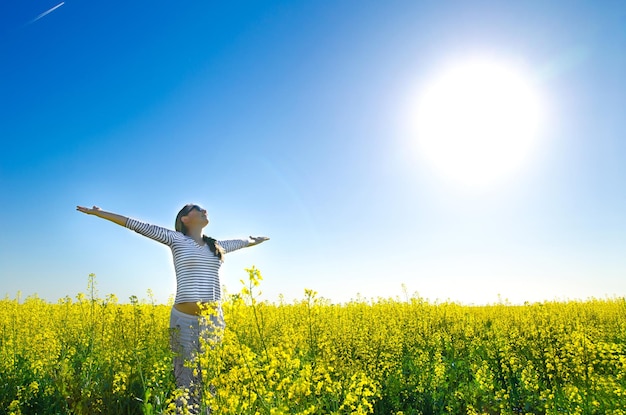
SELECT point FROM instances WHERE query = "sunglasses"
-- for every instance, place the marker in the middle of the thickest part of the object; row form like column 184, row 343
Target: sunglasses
column 188, row 210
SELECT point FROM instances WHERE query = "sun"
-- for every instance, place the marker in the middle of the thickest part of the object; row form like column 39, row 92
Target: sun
column 478, row 122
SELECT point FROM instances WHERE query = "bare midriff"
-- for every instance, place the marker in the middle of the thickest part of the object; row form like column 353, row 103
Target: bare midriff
column 194, row 309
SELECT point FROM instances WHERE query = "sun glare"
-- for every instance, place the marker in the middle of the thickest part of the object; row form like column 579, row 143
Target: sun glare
column 478, row 122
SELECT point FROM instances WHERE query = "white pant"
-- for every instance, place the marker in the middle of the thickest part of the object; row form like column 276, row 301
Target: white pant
column 185, row 333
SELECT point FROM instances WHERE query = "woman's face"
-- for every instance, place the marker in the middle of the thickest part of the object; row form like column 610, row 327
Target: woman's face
column 196, row 218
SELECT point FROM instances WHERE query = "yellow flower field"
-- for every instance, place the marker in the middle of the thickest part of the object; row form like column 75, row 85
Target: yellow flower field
column 92, row 355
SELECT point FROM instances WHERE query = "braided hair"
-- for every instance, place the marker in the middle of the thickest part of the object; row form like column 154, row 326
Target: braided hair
column 214, row 247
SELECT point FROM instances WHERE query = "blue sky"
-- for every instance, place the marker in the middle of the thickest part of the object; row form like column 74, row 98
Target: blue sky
column 289, row 119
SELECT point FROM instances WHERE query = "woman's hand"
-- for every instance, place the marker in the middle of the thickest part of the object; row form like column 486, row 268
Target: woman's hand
column 96, row 211
column 255, row 240
column 90, row 211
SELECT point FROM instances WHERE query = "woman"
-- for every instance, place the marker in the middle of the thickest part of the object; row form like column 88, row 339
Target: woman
column 197, row 260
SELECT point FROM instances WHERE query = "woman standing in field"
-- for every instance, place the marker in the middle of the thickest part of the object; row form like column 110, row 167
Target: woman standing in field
column 197, row 260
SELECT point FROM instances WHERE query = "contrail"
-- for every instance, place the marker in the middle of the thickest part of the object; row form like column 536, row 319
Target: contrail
column 47, row 12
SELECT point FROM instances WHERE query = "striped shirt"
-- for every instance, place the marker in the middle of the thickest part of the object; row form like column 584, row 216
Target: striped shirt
column 197, row 268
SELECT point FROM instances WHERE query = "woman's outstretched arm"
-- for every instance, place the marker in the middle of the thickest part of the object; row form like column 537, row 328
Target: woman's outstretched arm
column 96, row 211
